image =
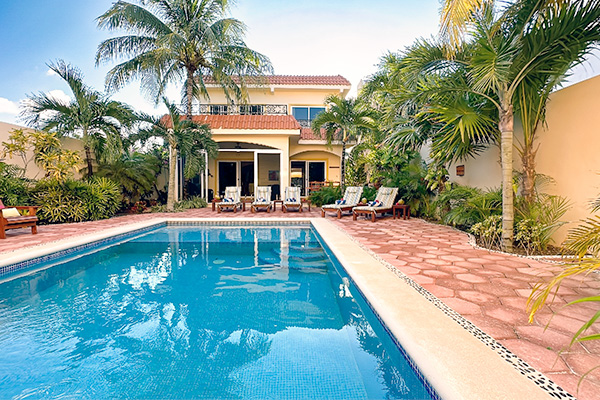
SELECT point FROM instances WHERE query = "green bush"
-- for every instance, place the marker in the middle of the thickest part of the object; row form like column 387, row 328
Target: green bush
column 14, row 189
column 537, row 221
column 369, row 193
column 464, row 206
column 326, row 195
column 489, row 231
column 187, row 204
column 76, row 201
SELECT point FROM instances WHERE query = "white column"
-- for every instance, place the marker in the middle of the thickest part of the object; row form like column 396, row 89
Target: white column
column 255, row 171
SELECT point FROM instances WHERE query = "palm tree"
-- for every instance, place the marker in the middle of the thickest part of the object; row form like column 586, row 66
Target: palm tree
column 171, row 40
column 90, row 115
column 344, row 120
column 457, row 125
column 136, row 173
column 510, row 51
column 185, row 138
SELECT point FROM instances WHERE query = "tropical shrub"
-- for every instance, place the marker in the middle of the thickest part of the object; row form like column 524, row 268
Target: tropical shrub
column 135, row 173
column 326, row 195
column 464, row 206
column 14, row 189
column 187, row 204
column 489, row 231
column 76, row 201
column 369, row 193
column 536, row 221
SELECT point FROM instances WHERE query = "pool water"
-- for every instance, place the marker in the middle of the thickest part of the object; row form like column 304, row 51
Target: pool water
column 198, row 312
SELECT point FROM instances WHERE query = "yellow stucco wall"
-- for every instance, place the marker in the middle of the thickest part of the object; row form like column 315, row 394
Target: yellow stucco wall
column 304, row 96
column 568, row 151
column 569, row 148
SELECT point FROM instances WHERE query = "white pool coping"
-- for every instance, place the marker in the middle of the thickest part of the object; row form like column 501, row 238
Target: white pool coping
column 456, row 364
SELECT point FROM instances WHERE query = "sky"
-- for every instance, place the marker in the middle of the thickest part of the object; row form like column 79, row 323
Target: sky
column 303, row 37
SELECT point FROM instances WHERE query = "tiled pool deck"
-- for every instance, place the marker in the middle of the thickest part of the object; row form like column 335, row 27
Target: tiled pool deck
column 489, row 289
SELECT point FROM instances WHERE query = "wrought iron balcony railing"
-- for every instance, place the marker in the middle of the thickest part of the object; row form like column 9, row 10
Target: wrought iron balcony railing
column 240, row 109
column 305, row 123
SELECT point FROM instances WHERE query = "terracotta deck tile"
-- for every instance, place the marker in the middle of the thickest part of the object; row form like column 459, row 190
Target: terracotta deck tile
column 471, row 278
column 539, row 357
column 478, row 297
column 585, row 389
column 511, row 316
column 462, row 306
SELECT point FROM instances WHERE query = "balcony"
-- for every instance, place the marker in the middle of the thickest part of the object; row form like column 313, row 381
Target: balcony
column 240, row 109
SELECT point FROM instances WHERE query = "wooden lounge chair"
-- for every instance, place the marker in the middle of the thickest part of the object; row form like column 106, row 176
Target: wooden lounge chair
column 292, row 200
column 232, row 199
column 347, row 203
column 17, row 220
column 262, row 199
column 383, row 203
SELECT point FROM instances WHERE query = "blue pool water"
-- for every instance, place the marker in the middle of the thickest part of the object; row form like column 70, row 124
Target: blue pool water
column 198, row 312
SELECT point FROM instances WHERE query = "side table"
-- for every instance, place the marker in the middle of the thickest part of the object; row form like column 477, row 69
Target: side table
column 275, row 204
column 396, row 208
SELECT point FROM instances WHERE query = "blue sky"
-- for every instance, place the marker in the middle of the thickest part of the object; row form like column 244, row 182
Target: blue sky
column 319, row 37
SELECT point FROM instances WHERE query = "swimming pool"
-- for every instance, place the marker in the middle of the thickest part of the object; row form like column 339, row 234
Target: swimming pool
column 198, row 312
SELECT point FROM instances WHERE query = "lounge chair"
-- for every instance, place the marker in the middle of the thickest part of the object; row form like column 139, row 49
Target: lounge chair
column 383, row 203
column 232, row 199
column 292, row 200
column 347, row 203
column 11, row 218
column 262, row 199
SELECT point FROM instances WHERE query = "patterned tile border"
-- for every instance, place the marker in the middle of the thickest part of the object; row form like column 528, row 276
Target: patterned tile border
column 520, row 365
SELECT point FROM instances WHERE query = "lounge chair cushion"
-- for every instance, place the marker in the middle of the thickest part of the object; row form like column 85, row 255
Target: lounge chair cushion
column 10, row 213
column 340, row 202
column 291, row 200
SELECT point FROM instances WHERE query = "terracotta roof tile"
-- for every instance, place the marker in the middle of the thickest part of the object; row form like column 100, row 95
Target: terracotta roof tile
column 319, row 80
column 248, row 121
column 308, row 134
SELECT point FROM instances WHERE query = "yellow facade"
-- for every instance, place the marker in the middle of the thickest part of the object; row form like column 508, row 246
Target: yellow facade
column 277, row 155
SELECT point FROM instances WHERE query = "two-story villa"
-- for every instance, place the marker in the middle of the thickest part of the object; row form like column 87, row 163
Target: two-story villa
column 268, row 141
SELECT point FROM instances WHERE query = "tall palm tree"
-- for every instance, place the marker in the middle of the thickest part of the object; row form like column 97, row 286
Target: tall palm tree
column 511, row 50
column 90, row 115
column 185, row 138
column 344, row 120
column 171, row 40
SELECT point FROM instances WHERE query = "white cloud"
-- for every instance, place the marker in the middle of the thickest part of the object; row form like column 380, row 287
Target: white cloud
column 8, row 107
column 51, row 72
column 59, row 95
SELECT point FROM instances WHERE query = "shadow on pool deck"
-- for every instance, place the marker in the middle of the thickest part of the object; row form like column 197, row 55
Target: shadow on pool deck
column 489, row 289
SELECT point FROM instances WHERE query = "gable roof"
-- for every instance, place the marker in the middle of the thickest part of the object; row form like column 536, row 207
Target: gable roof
column 293, row 80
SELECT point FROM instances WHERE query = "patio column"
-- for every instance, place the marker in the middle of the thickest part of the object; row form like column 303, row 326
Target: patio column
column 284, row 168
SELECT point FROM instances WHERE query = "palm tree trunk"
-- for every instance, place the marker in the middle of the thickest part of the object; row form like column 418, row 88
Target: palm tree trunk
column 343, row 166
column 88, row 160
column 506, row 149
column 190, row 93
column 528, row 161
column 172, row 176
